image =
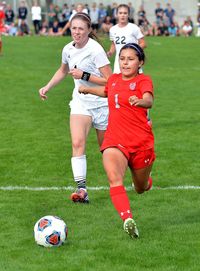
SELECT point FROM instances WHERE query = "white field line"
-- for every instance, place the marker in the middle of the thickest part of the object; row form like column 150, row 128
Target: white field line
column 97, row 188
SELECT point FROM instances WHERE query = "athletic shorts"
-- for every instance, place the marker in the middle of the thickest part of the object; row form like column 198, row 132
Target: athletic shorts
column 136, row 160
column 99, row 115
column 141, row 159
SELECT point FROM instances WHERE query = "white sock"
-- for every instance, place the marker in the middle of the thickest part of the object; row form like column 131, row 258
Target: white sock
column 79, row 169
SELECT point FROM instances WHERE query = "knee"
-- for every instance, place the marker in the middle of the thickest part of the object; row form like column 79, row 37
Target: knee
column 114, row 179
column 78, row 143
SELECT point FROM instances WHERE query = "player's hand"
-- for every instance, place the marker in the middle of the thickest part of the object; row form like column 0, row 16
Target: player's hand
column 134, row 100
column 42, row 93
column 82, row 89
column 76, row 73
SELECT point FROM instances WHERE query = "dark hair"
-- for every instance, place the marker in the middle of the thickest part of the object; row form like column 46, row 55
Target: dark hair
column 86, row 18
column 139, row 51
column 123, row 6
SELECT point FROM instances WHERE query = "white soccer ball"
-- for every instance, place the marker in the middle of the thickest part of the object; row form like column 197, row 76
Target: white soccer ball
column 50, row 231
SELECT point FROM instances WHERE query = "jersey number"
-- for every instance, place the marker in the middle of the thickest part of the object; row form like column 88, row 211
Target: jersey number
column 116, row 101
column 120, row 40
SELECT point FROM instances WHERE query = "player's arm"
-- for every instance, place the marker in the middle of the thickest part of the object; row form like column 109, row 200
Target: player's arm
column 112, row 50
column 98, row 91
column 67, row 25
column 142, row 43
column 105, row 73
column 55, row 80
column 145, row 102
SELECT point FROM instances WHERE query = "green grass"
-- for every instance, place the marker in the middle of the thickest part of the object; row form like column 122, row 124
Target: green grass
column 35, row 150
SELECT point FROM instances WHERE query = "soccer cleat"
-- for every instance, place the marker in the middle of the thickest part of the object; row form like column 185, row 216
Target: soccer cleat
column 80, row 195
column 130, row 228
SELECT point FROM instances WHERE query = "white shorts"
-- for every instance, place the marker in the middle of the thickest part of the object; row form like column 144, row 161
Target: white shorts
column 99, row 115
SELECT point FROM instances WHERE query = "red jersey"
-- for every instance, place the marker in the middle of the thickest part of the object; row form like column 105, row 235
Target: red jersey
column 128, row 126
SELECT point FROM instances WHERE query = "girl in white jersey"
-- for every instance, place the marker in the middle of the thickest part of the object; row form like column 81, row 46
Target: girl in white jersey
column 123, row 33
column 85, row 60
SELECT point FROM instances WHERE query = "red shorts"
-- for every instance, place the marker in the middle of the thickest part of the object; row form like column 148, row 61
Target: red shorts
column 141, row 159
column 136, row 160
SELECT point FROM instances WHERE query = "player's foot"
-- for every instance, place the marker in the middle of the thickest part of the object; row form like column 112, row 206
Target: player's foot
column 130, row 228
column 80, row 195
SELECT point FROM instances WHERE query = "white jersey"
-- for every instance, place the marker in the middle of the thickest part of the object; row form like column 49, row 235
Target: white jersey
column 121, row 36
column 89, row 59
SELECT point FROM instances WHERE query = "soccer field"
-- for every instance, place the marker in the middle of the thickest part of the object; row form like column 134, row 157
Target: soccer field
column 36, row 177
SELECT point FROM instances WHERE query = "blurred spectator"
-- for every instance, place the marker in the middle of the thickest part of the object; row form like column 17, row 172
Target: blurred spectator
column 159, row 13
column 13, row 29
column 170, row 13
column 36, row 17
column 44, row 31
column 51, row 15
column 166, row 20
column 131, row 12
column 178, row 28
column 143, row 23
column 146, row 28
column 186, row 29
column 22, row 12
column 106, row 25
column 23, row 29
column 102, row 14
column 141, row 16
column 72, row 9
column 190, row 21
column 94, row 15
column 79, row 8
column 58, row 16
column 55, row 30
column 87, row 9
column 173, row 30
column 109, row 10
column 114, row 13
column 154, row 29
column 162, row 29
column 9, row 13
column 65, row 15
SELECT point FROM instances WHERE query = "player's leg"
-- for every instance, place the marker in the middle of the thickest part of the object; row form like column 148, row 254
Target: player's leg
column 115, row 164
column 142, row 179
column 140, row 164
column 100, row 136
column 79, row 126
column 100, row 122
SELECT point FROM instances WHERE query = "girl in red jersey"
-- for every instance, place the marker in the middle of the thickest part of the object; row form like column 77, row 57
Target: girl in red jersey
column 128, row 141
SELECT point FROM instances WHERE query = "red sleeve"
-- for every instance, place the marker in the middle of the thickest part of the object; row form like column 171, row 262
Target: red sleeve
column 146, row 85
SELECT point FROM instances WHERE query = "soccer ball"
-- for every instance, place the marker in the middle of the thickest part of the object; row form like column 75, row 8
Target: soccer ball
column 50, row 231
